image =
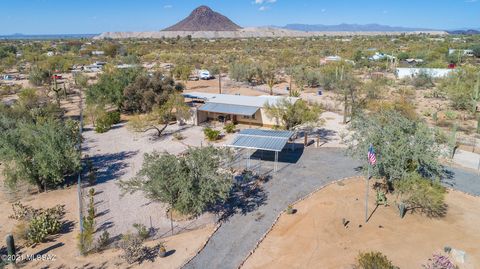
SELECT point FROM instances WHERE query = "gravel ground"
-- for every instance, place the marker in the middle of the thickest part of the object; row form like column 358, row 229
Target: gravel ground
column 239, row 234
column 463, row 180
column 118, row 155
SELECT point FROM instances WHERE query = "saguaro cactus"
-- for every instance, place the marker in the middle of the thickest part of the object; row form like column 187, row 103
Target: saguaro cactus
column 10, row 248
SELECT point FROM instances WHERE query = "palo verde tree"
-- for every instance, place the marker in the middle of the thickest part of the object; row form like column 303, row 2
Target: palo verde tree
column 109, row 90
column 402, row 145
column 190, row 183
column 290, row 114
column 37, row 146
column 161, row 115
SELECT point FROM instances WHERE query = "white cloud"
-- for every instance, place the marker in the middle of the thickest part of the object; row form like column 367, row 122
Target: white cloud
column 167, row 6
column 263, row 8
column 323, row 10
column 261, row 2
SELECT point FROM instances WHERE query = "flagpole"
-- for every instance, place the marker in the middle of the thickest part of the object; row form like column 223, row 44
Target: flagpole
column 366, row 193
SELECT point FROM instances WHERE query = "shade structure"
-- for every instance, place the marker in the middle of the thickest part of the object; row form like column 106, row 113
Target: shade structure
column 229, row 109
column 270, row 140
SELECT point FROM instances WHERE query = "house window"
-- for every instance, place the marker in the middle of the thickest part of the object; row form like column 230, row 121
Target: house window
column 249, row 117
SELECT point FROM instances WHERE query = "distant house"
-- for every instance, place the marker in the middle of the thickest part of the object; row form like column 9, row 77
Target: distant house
column 380, row 56
column 413, row 61
column 334, row 58
column 402, row 73
column 464, row 52
column 234, row 108
column 126, row 66
column 98, row 52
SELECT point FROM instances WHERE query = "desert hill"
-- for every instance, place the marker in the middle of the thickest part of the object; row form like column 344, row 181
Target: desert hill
column 204, row 18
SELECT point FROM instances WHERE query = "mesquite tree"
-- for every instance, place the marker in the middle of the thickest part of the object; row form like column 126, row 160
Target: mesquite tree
column 189, row 183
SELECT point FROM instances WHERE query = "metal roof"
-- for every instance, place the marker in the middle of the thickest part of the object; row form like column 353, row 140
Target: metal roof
column 241, row 100
column 229, row 109
column 267, row 133
column 270, row 140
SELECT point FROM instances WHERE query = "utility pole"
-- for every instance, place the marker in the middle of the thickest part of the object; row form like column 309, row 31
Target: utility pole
column 220, row 82
column 366, row 194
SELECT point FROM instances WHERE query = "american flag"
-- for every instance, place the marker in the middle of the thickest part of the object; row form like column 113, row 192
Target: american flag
column 372, row 159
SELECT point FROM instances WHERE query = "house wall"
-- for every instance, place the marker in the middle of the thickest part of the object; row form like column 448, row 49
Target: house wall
column 261, row 118
column 412, row 72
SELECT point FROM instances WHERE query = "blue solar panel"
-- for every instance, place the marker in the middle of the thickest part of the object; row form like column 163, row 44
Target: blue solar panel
column 267, row 133
column 270, row 140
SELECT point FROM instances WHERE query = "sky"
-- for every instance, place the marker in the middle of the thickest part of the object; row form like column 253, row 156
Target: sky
column 96, row 16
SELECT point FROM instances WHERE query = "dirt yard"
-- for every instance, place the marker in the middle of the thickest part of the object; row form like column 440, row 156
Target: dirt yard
column 315, row 237
column 63, row 248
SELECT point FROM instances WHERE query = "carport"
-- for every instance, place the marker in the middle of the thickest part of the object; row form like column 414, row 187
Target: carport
column 257, row 139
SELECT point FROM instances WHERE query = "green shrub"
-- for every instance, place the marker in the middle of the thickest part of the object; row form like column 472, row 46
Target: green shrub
column 133, row 250
column 85, row 238
column 229, row 128
column 142, row 231
column 102, row 125
column 178, row 136
column 451, row 115
column 423, row 79
column 113, row 117
column 38, row 223
column 424, row 195
column 373, row 260
column 105, row 122
column 103, row 240
column 211, row 134
column 42, row 226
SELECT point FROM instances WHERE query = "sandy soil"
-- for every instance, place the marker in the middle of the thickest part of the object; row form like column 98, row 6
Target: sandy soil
column 63, row 246
column 315, row 238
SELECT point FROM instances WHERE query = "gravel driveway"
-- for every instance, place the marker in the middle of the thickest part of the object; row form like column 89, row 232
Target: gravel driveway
column 317, row 167
column 238, row 235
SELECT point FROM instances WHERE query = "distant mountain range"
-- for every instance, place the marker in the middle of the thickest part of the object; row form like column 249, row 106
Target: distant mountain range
column 351, row 28
column 464, row 32
column 46, row 37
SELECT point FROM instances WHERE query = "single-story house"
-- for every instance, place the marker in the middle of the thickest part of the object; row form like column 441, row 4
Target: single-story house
column 380, row 56
column 98, row 52
column 412, row 72
column 233, row 108
column 467, row 52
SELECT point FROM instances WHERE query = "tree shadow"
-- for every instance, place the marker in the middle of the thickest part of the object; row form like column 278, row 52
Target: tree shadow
column 105, row 226
column 110, row 166
column 46, row 250
column 67, row 227
column 290, row 154
column 168, row 133
column 150, row 254
column 244, row 198
column 103, row 213
column 448, row 177
column 104, row 265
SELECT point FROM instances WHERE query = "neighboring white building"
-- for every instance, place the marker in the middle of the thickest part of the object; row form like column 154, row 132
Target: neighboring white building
column 380, row 56
column 414, row 61
column 235, row 108
column 50, row 53
column 98, row 52
column 334, row 58
column 204, row 74
column 402, row 73
column 464, row 52
column 126, row 66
